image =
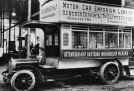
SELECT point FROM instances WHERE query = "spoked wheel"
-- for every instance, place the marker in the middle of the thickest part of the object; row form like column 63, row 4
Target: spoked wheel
column 110, row 72
column 23, row 80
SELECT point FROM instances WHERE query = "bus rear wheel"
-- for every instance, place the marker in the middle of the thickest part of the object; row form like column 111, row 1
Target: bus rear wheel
column 110, row 72
column 23, row 80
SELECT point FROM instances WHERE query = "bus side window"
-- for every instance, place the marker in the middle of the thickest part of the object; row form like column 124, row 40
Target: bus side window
column 65, row 39
column 79, row 39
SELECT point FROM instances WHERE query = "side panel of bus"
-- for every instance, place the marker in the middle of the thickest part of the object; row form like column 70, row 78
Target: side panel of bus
column 92, row 45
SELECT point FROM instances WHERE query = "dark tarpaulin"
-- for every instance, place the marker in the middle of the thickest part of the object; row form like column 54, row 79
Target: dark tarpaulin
column 35, row 24
column 107, row 2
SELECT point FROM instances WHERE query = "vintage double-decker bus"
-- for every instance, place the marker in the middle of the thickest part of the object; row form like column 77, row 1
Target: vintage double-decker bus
column 76, row 38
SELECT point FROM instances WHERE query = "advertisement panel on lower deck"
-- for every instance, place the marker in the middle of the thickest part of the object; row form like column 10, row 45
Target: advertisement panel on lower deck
column 96, row 53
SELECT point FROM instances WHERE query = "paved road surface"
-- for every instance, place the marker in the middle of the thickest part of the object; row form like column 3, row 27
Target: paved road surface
column 123, row 85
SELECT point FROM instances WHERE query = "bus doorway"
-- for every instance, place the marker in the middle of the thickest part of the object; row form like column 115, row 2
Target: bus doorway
column 52, row 42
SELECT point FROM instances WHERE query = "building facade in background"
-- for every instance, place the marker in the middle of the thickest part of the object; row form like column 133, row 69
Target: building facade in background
column 12, row 14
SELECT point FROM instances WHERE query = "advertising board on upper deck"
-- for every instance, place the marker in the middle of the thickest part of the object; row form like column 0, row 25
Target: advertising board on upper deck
column 78, row 12
column 48, row 11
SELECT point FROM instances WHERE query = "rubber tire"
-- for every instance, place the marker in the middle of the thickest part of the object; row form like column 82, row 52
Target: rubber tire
column 102, row 69
column 13, row 78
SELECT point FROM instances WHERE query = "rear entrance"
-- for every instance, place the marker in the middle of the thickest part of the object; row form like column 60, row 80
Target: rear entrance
column 52, row 41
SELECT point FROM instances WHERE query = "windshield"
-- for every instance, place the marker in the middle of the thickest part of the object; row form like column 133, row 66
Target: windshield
column 36, row 41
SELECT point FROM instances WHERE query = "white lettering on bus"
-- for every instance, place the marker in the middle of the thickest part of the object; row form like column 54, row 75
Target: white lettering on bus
column 94, row 53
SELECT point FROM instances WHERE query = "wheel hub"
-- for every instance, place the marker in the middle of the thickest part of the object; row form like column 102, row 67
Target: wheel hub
column 23, row 81
column 109, row 72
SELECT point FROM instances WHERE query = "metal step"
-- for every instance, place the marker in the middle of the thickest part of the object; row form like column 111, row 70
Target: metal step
column 131, row 69
column 50, row 80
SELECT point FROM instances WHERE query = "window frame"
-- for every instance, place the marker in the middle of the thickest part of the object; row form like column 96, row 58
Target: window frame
column 102, row 38
column 115, row 30
column 85, row 31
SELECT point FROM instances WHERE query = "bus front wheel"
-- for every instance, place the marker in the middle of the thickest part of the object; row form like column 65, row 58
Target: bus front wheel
column 23, row 80
column 110, row 72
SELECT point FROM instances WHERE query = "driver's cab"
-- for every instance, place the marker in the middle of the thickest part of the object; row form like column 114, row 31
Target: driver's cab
column 46, row 39
column 45, row 42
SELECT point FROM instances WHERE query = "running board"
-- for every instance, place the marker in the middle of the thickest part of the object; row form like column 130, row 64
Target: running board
column 61, row 78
